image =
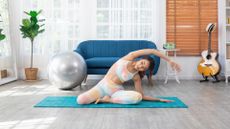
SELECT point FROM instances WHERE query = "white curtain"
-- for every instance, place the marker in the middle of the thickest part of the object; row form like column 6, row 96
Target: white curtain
column 61, row 31
column 70, row 21
column 125, row 19
column 6, row 52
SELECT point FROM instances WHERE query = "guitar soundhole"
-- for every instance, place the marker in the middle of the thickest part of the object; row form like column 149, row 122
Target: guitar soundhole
column 208, row 57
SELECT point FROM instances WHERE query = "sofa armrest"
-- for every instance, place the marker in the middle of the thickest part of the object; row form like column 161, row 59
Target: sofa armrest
column 79, row 51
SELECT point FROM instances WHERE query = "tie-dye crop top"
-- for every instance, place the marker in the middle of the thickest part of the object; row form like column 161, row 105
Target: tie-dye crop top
column 122, row 71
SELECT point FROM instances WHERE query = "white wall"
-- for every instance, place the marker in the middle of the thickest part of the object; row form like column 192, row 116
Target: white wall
column 189, row 64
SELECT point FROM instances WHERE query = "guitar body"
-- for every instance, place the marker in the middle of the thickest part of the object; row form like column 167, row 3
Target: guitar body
column 208, row 66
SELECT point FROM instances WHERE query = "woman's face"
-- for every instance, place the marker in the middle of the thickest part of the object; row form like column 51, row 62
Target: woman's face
column 142, row 65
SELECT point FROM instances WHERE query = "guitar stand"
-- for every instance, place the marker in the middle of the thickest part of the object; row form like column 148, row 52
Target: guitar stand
column 213, row 76
column 205, row 78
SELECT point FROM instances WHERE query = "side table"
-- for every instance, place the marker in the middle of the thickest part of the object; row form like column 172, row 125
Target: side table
column 168, row 71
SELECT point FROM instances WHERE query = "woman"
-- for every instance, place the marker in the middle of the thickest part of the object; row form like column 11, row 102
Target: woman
column 110, row 89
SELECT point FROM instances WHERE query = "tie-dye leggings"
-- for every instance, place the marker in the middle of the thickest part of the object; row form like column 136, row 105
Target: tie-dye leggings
column 116, row 92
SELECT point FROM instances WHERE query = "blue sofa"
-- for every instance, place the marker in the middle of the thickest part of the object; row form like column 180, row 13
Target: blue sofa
column 101, row 54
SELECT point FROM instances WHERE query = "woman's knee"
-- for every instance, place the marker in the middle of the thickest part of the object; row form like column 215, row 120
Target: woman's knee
column 138, row 97
column 127, row 97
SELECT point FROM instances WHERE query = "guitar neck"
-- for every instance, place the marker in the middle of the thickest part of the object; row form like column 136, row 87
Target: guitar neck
column 209, row 41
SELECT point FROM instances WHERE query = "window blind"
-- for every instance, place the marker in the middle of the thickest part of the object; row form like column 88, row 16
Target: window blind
column 186, row 24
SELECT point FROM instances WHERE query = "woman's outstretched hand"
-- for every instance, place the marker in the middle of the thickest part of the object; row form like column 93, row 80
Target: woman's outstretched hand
column 175, row 66
column 149, row 98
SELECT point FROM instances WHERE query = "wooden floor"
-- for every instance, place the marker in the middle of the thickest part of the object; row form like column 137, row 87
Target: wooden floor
column 209, row 108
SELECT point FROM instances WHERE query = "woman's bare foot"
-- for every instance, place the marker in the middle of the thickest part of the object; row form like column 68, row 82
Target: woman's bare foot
column 105, row 99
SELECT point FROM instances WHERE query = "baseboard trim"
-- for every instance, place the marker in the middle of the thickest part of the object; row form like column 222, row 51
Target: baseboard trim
column 158, row 77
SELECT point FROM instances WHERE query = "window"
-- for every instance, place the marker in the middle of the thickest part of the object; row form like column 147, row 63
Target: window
column 5, row 48
column 61, row 26
column 186, row 24
column 70, row 21
column 115, row 19
column 124, row 19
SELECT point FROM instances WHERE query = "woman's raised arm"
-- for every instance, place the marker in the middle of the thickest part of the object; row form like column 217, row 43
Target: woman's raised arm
column 143, row 52
column 135, row 54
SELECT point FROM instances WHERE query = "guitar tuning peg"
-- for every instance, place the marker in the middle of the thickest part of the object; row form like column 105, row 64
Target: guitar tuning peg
column 211, row 27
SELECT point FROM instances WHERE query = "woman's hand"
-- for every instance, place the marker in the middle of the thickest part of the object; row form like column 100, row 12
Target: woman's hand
column 166, row 101
column 175, row 66
column 149, row 98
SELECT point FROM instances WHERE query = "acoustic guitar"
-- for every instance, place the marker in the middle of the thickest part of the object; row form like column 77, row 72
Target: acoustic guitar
column 209, row 66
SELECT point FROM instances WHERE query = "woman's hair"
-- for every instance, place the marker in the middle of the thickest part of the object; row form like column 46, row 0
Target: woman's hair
column 150, row 69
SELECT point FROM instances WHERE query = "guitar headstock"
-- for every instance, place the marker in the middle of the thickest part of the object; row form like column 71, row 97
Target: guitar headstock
column 211, row 27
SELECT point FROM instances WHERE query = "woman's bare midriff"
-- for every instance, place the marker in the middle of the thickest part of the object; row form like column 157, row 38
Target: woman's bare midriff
column 112, row 77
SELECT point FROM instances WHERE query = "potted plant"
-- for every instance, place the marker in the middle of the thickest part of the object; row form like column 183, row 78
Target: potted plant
column 3, row 73
column 2, row 36
column 30, row 29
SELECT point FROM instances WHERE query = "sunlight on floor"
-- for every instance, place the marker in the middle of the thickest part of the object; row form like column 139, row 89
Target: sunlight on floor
column 40, row 89
column 41, row 123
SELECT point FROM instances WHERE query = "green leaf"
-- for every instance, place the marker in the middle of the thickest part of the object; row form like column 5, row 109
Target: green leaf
column 26, row 22
column 39, row 12
column 33, row 13
column 36, row 27
column 2, row 36
column 34, row 20
column 26, row 13
column 41, row 31
column 42, row 25
column 41, row 20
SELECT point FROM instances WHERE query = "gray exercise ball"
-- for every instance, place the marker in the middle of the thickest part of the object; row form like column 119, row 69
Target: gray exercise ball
column 67, row 70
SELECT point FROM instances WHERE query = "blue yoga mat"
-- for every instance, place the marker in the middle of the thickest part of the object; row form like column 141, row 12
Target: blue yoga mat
column 70, row 102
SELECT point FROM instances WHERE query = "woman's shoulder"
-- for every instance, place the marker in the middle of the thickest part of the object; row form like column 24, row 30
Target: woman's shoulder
column 125, row 59
column 129, row 56
column 122, row 61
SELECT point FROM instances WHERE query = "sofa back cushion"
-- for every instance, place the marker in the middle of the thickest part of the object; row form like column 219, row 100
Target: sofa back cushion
column 101, row 54
column 111, row 48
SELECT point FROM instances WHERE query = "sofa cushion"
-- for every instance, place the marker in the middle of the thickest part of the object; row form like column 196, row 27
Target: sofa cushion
column 111, row 48
column 101, row 62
